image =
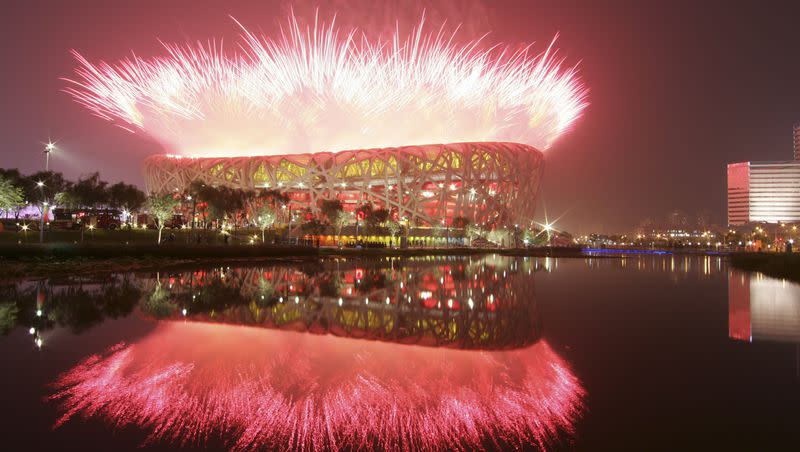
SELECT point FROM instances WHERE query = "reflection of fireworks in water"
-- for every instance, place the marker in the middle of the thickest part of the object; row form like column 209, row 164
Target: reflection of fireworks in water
column 186, row 382
column 321, row 89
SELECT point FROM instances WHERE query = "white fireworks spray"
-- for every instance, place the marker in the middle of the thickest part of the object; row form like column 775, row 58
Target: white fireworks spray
column 318, row 88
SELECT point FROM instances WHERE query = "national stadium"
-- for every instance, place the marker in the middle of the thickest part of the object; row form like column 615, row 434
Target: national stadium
column 428, row 185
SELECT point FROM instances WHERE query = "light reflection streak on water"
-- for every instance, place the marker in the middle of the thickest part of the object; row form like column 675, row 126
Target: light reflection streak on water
column 186, row 382
column 761, row 308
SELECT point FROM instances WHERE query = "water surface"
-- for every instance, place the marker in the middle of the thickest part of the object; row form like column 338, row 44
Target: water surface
column 645, row 352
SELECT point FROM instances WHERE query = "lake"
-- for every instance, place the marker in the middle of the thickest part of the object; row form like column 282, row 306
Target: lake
column 484, row 352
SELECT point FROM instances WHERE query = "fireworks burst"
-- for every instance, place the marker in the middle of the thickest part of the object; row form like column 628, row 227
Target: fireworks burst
column 319, row 88
column 262, row 389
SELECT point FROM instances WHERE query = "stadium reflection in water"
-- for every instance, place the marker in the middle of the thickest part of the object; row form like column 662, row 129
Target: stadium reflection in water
column 761, row 308
column 411, row 354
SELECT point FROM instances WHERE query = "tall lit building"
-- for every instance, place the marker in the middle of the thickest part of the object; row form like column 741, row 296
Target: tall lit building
column 765, row 191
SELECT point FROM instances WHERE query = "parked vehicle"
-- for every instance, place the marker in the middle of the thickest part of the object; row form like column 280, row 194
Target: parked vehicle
column 108, row 220
column 176, row 222
column 66, row 219
column 77, row 218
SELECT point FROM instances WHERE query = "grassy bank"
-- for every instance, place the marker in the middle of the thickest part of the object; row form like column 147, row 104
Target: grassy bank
column 32, row 260
column 777, row 265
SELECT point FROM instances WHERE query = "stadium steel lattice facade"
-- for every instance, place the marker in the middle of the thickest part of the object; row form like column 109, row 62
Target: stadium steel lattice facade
column 427, row 185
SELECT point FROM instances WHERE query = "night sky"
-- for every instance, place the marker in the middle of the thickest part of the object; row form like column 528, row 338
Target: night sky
column 677, row 90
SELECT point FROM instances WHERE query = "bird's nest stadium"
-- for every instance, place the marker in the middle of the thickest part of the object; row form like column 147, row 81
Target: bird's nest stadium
column 430, row 185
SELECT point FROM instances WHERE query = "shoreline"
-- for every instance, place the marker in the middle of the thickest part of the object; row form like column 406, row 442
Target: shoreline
column 34, row 261
column 58, row 259
column 776, row 265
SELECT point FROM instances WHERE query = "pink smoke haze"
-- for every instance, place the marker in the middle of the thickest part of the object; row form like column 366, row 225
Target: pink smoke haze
column 188, row 382
column 320, row 88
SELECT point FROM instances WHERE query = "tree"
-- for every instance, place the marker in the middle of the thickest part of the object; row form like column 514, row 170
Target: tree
column 373, row 217
column 264, row 216
column 204, row 199
column 67, row 199
column 41, row 186
column 333, row 210
column 313, row 227
column 277, row 199
column 473, row 231
column 341, row 220
column 393, row 227
column 13, row 175
column 90, row 191
column 162, row 208
column 235, row 202
column 461, row 222
column 11, row 196
column 223, row 202
column 378, row 217
column 365, row 210
column 126, row 196
column 275, row 196
column 330, row 209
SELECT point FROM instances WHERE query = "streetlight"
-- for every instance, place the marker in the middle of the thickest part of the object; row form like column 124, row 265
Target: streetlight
column 24, row 228
column 40, row 184
column 48, row 148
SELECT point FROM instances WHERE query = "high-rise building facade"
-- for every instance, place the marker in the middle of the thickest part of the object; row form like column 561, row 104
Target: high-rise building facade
column 768, row 192
column 763, row 192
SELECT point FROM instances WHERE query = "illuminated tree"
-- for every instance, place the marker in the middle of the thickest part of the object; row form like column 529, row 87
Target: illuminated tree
column 11, row 196
column 162, row 208
column 264, row 216
column 473, row 231
column 393, row 227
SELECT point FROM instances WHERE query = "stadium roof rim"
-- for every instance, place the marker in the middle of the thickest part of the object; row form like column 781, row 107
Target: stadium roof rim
column 356, row 151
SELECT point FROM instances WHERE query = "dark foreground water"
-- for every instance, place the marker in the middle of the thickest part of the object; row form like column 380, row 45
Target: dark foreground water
column 644, row 353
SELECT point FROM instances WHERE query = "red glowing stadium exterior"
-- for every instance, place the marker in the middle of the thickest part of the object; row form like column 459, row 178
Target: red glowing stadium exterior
column 429, row 185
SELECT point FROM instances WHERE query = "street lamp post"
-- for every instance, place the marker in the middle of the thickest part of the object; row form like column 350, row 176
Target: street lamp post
column 48, row 148
column 40, row 184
